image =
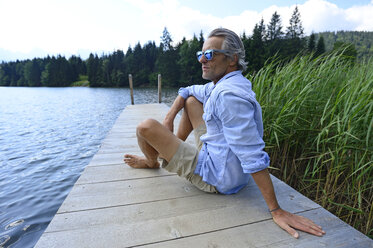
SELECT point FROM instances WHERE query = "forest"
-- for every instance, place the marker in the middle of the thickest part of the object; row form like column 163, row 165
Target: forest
column 177, row 63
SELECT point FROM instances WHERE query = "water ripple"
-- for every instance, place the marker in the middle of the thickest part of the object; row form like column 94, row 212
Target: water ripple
column 14, row 224
column 47, row 137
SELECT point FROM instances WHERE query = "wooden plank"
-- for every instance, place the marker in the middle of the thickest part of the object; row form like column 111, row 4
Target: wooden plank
column 113, row 205
column 266, row 234
column 116, row 172
column 117, row 193
column 174, row 218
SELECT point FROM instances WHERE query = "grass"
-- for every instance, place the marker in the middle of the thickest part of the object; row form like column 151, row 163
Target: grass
column 318, row 119
column 82, row 82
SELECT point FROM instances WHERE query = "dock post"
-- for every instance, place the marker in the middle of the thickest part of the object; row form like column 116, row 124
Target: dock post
column 131, row 88
column 159, row 88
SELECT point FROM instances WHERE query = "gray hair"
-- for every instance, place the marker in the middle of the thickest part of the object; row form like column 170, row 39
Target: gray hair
column 233, row 44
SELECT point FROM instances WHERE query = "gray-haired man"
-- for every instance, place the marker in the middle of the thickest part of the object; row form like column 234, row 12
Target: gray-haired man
column 227, row 123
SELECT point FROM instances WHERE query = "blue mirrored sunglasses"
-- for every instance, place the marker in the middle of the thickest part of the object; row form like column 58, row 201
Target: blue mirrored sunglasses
column 209, row 54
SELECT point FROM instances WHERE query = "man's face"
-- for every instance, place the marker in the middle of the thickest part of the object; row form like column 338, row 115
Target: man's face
column 219, row 65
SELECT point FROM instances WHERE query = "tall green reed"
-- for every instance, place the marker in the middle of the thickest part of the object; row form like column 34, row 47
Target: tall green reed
column 318, row 119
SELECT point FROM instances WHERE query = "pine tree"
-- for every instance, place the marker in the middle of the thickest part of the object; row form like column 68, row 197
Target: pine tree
column 295, row 41
column 320, row 48
column 257, row 50
column 32, row 73
column 295, row 29
column 201, row 40
column 166, row 40
column 190, row 68
column 274, row 28
column 311, row 43
column 167, row 61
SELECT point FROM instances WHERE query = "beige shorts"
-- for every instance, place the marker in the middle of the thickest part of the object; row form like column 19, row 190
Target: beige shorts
column 184, row 161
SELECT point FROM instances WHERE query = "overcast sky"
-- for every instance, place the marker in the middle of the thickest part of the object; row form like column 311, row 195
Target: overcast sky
column 36, row 28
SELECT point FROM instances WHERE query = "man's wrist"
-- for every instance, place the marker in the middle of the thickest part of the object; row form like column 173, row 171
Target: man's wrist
column 274, row 209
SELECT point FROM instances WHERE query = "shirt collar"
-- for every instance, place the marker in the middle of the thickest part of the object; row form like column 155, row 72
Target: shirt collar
column 231, row 74
column 228, row 75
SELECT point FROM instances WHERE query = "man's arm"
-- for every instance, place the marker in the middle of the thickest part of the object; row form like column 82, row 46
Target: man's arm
column 284, row 219
column 177, row 105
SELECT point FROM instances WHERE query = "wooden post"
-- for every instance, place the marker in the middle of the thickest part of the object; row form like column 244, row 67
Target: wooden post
column 159, row 88
column 131, row 88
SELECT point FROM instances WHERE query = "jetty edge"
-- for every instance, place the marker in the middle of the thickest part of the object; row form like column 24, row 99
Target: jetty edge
column 114, row 205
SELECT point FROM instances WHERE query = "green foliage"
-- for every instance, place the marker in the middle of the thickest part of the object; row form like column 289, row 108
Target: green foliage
column 255, row 47
column 178, row 64
column 318, row 119
column 311, row 45
column 360, row 39
column 32, row 73
column 320, row 47
column 347, row 50
column 295, row 29
column 190, row 68
column 274, row 28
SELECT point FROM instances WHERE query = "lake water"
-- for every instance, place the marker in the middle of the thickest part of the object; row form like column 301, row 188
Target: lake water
column 47, row 137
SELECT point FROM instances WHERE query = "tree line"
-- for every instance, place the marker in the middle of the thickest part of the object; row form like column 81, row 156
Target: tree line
column 177, row 63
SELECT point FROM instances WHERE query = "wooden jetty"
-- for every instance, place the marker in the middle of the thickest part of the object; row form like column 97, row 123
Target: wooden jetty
column 113, row 205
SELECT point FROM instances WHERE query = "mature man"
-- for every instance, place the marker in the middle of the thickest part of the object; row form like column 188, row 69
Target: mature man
column 227, row 123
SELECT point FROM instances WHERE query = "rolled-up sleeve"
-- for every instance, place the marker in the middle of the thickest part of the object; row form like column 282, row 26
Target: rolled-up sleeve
column 241, row 131
column 198, row 91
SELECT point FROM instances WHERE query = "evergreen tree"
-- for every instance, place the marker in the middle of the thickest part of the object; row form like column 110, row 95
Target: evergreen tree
column 140, row 73
column 166, row 61
column 4, row 74
column 320, row 48
column 78, row 67
column 201, row 40
column 166, row 40
column 274, row 37
column 274, row 28
column 295, row 42
column 295, row 29
column 94, row 71
column 18, row 78
column 311, row 43
column 151, row 53
column 118, row 74
column 32, row 73
column 257, row 49
column 190, row 68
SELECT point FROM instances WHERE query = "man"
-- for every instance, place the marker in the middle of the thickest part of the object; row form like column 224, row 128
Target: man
column 231, row 149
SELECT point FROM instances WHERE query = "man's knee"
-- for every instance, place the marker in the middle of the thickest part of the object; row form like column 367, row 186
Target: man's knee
column 192, row 101
column 146, row 127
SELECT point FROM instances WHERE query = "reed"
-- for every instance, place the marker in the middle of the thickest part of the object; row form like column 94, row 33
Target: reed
column 318, row 119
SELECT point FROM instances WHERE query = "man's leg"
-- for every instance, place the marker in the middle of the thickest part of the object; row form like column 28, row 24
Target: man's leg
column 154, row 140
column 191, row 118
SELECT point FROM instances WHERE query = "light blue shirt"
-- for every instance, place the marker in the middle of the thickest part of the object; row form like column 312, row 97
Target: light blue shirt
column 233, row 145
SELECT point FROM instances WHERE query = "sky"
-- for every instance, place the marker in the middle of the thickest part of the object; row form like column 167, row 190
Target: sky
column 39, row 28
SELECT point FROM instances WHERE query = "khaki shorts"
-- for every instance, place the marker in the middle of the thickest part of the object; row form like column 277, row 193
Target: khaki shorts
column 184, row 161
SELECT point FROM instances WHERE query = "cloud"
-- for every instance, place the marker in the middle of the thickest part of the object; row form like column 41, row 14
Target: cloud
column 70, row 26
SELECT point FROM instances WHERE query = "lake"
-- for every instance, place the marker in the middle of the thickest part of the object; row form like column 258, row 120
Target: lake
column 47, row 137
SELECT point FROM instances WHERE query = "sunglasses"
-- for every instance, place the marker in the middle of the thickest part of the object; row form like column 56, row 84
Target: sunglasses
column 209, row 54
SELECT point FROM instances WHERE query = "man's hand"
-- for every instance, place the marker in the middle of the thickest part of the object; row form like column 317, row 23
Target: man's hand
column 289, row 221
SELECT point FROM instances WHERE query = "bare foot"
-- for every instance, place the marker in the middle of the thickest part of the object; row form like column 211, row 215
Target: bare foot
column 140, row 162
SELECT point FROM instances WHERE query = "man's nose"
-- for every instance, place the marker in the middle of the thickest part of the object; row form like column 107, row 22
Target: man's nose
column 202, row 59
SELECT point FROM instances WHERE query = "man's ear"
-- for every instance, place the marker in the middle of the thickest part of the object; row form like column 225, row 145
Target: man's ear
column 234, row 61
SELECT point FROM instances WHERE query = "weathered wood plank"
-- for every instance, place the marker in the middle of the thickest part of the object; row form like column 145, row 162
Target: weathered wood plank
column 173, row 218
column 116, row 172
column 113, row 205
column 109, row 194
column 266, row 234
